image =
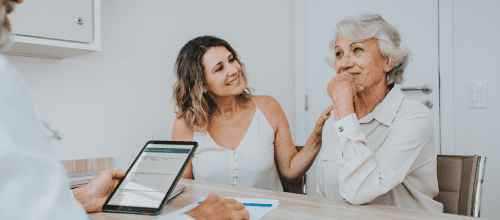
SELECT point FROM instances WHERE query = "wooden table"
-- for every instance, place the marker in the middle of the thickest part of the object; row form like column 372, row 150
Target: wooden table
column 293, row 206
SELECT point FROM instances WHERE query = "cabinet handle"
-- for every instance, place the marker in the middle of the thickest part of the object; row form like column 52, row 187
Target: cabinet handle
column 79, row 21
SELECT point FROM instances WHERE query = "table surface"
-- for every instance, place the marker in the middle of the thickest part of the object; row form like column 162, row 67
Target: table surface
column 293, row 206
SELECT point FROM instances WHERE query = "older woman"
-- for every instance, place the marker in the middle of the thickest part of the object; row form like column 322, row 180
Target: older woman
column 239, row 134
column 379, row 146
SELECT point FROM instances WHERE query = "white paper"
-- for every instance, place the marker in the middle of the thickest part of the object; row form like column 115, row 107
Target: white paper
column 257, row 208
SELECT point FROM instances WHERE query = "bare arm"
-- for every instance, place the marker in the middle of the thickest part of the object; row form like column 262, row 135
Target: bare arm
column 290, row 163
column 181, row 132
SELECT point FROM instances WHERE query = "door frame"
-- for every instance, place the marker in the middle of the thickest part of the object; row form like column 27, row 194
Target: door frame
column 446, row 79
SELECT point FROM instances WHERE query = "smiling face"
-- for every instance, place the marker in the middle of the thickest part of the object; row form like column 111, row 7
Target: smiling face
column 222, row 73
column 362, row 60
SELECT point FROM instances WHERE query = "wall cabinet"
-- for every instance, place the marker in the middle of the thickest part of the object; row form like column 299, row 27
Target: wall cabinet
column 56, row 29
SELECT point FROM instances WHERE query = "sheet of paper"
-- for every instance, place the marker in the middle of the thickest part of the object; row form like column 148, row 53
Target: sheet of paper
column 178, row 212
column 257, row 208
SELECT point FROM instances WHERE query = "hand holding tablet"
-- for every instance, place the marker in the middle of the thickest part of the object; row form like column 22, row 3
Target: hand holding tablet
column 93, row 195
column 151, row 178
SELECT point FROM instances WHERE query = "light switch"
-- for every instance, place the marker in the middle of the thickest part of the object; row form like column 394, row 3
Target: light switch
column 476, row 94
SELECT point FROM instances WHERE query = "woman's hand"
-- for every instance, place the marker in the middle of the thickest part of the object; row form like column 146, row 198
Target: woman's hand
column 318, row 128
column 315, row 137
column 342, row 89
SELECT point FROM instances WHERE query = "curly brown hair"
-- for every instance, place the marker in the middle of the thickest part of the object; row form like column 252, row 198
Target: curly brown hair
column 190, row 102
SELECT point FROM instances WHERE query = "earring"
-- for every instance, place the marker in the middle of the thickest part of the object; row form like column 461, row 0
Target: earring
column 387, row 69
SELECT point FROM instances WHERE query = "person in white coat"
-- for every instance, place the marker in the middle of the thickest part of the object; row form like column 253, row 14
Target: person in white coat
column 33, row 183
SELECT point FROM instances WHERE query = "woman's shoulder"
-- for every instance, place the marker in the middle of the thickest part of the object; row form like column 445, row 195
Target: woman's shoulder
column 411, row 111
column 181, row 131
column 410, row 106
column 266, row 103
column 271, row 109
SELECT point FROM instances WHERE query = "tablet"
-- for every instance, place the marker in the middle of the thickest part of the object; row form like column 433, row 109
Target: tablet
column 151, row 178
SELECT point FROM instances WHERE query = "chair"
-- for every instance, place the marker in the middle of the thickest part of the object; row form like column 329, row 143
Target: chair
column 460, row 180
column 296, row 185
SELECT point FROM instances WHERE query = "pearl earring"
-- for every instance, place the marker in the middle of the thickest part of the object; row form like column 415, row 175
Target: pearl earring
column 387, row 69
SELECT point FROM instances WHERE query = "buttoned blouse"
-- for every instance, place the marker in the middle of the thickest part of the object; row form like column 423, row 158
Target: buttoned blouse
column 251, row 164
column 385, row 158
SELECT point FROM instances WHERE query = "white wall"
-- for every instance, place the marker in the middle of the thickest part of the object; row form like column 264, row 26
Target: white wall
column 477, row 57
column 112, row 102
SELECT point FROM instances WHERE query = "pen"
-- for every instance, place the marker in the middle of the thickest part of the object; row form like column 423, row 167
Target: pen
column 254, row 204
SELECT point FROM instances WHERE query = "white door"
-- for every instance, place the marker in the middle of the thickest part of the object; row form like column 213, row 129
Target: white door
column 417, row 22
column 69, row 20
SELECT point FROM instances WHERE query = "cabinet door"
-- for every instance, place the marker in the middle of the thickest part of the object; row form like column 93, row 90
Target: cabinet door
column 54, row 19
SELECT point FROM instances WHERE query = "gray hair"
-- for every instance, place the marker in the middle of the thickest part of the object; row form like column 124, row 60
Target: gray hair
column 368, row 25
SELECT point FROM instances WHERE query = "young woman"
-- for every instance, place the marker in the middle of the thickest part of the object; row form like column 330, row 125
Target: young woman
column 241, row 137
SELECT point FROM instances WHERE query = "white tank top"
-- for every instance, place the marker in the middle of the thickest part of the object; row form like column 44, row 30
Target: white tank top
column 250, row 165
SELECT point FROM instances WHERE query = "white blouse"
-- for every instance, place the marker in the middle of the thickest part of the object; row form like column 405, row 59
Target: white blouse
column 385, row 158
column 251, row 164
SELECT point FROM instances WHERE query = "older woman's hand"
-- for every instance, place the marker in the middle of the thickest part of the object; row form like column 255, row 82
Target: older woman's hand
column 342, row 89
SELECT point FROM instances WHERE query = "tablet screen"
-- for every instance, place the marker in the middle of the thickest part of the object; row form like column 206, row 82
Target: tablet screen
column 151, row 176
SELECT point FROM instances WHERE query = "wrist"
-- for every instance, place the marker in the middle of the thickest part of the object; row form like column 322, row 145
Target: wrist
column 314, row 139
column 343, row 108
column 193, row 214
column 318, row 129
column 82, row 196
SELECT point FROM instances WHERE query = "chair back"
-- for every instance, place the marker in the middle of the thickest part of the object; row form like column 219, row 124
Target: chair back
column 460, row 181
column 297, row 185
